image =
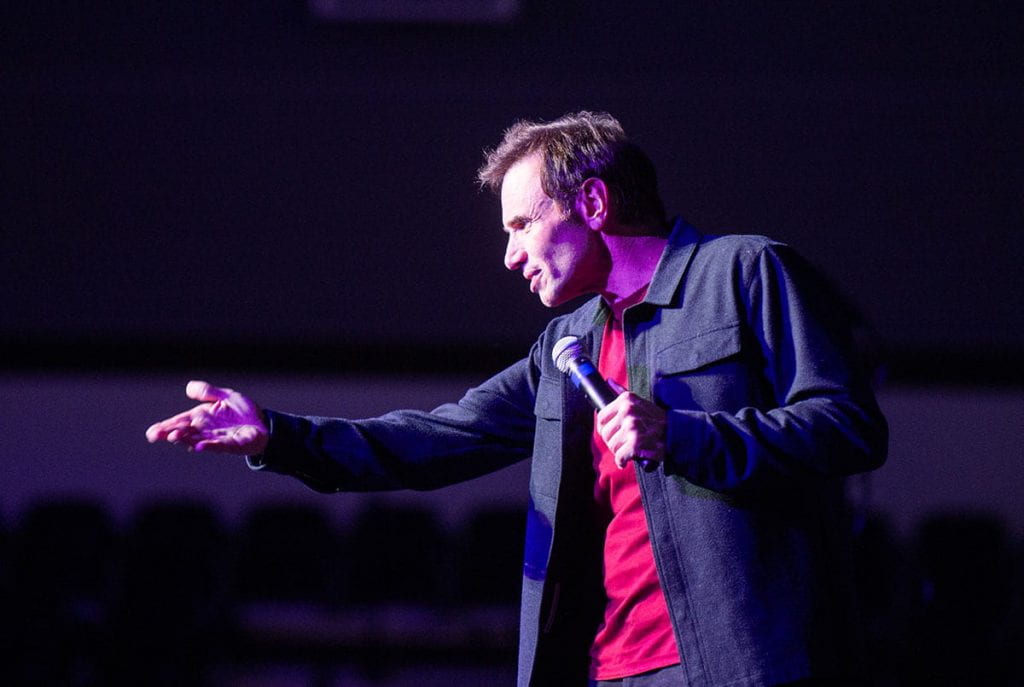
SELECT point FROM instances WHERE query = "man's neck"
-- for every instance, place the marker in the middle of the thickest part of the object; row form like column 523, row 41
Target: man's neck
column 633, row 261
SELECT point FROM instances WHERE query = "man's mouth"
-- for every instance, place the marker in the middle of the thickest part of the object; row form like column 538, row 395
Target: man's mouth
column 534, row 282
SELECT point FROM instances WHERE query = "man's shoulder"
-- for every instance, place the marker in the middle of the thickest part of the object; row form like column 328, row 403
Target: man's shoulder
column 720, row 247
column 739, row 243
column 743, row 252
column 684, row 234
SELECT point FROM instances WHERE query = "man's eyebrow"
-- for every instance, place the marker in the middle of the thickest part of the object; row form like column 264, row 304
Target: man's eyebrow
column 514, row 222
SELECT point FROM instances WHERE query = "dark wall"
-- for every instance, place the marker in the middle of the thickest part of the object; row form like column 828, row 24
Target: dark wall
column 237, row 173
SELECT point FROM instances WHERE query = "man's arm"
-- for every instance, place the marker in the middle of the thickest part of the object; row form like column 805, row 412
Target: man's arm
column 826, row 422
column 489, row 428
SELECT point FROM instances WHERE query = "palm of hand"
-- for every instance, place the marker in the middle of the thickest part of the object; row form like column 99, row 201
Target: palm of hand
column 225, row 421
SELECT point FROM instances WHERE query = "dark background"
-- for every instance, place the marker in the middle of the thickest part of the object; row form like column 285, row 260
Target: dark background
column 241, row 183
column 288, row 205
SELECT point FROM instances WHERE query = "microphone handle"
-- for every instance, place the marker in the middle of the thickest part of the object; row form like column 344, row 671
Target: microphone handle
column 586, row 377
column 599, row 392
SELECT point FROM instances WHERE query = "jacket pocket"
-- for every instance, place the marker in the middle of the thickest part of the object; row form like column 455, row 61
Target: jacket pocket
column 699, row 350
column 545, row 471
column 704, row 372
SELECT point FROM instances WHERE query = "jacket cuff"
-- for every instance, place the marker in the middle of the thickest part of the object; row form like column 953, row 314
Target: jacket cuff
column 685, row 435
column 261, row 461
column 288, row 453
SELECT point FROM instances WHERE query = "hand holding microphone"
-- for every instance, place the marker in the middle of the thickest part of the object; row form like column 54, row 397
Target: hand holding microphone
column 632, row 427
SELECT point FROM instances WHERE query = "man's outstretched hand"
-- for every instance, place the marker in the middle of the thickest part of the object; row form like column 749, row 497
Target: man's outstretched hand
column 225, row 421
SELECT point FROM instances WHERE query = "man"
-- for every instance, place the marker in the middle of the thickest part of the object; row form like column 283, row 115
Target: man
column 725, row 564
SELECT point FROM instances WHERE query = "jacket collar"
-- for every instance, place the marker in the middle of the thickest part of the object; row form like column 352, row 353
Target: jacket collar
column 682, row 242
column 668, row 274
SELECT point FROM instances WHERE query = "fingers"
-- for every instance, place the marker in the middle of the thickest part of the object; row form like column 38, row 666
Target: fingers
column 198, row 390
column 180, row 434
column 633, row 428
column 206, row 392
column 154, row 433
column 162, row 429
column 610, row 427
column 244, row 440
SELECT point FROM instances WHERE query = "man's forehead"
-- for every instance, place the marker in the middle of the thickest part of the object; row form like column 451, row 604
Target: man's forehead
column 524, row 174
column 521, row 187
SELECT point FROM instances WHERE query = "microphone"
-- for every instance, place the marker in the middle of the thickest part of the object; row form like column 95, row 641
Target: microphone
column 570, row 359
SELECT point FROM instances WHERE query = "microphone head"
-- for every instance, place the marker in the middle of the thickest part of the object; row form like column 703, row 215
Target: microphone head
column 567, row 348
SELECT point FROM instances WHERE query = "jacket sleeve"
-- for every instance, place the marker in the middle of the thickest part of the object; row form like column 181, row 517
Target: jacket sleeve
column 491, row 427
column 821, row 418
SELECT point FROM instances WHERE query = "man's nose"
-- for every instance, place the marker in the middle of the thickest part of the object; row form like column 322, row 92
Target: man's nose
column 514, row 255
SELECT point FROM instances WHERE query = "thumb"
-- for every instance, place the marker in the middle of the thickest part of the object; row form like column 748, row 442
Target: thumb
column 204, row 391
column 616, row 387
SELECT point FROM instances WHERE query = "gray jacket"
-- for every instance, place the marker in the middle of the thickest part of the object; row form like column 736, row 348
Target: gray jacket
column 768, row 410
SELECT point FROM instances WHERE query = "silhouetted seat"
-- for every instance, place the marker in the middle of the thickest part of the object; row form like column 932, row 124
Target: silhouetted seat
column 7, row 625
column 965, row 590
column 398, row 555
column 287, row 573
column 492, row 557
column 65, row 560
column 173, row 608
column 175, row 566
column 290, row 553
column 63, row 581
column 887, row 599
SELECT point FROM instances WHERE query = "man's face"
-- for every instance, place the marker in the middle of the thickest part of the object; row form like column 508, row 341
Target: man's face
column 559, row 256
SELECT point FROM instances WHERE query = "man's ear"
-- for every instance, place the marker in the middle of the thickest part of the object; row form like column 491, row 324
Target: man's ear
column 592, row 203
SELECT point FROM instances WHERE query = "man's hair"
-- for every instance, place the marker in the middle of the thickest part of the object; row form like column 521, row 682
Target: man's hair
column 574, row 148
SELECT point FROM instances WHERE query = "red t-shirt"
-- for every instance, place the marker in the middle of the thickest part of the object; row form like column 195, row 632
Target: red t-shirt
column 636, row 635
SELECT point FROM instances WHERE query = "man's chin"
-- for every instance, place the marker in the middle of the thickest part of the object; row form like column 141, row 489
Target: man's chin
column 559, row 293
column 552, row 300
